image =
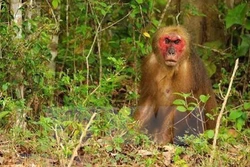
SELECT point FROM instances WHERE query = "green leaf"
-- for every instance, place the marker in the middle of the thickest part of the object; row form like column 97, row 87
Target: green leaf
column 235, row 114
column 55, row 3
column 192, row 104
column 210, row 134
column 240, row 123
column 244, row 46
column 119, row 140
column 109, row 148
column 247, row 25
column 139, row 1
column 191, row 108
column 210, row 67
column 125, row 111
column 103, row 4
column 214, row 44
column 244, row 115
column 193, row 10
column 246, row 106
column 179, row 102
column 155, row 22
column 5, row 86
column 186, row 95
column 120, row 78
column 118, row 149
column 236, row 15
column 3, row 114
column 181, row 109
column 204, row 98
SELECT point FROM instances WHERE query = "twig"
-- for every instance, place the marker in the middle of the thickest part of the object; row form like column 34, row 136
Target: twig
column 91, row 48
column 59, row 144
column 86, row 99
column 163, row 13
column 115, row 22
column 80, row 140
column 53, row 14
column 209, row 48
column 222, row 111
column 100, row 59
column 177, row 18
column 67, row 33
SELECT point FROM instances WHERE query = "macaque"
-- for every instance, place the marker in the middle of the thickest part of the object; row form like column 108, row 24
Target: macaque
column 172, row 68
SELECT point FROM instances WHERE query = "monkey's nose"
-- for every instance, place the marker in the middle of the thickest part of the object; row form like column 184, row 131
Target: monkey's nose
column 171, row 51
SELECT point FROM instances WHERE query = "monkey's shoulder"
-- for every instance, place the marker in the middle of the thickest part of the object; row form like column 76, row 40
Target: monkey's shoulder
column 201, row 80
column 151, row 59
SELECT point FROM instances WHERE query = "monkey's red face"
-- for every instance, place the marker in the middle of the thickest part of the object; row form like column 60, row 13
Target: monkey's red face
column 171, row 47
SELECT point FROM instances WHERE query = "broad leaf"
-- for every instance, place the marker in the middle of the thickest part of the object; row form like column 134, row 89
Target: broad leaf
column 246, row 106
column 247, row 25
column 179, row 102
column 210, row 134
column 240, row 123
column 139, row 1
column 3, row 114
column 181, row 109
column 235, row 114
column 191, row 108
column 244, row 46
column 55, row 3
column 204, row 98
column 236, row 15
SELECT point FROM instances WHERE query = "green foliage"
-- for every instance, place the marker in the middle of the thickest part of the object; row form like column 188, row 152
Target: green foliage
column 209, row 134
column 245, row 45
column 199, row 144
column 239, row 117
column 183, row 105
column 177, row 157
column 239, row 16
column 208, row 56
column 55, row 3
column 236, row 15
column 193, row 10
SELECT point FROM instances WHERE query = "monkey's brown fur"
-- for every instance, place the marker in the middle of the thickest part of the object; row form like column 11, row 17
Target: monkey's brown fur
column 160, row 81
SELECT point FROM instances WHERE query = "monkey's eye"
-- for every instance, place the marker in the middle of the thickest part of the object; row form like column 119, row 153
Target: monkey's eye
column 167, row 41
column 177, row 41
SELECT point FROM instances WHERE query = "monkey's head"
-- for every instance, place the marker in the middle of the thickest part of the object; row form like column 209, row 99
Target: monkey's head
column 171, row 45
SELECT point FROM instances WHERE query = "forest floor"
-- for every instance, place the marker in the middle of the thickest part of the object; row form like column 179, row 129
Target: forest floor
column 168, row 155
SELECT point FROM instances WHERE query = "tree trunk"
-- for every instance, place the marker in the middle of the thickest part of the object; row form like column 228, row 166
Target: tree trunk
column 15, row 6
column 203, row 28
column 17, row 14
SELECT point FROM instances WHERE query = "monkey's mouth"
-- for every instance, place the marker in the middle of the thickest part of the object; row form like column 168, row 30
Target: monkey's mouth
column 170, row 63
column 170, row 60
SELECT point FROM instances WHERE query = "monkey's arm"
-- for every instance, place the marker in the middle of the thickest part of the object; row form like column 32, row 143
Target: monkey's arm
column 144, row 111
column 204, row 86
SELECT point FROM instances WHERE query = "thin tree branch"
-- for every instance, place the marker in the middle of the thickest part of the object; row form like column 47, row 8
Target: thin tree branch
column 91, row 48
column 116, row 22
column 67, row 33
column 87, row 97
column 100, row 59
column 53, row 14
column 222, row 111
column 163, row 13
column 80, row 140
column 209, row 48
